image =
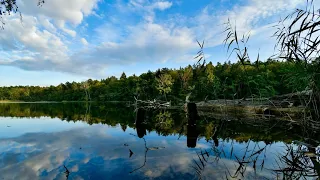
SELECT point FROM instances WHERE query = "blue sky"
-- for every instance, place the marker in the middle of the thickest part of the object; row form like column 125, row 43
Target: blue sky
column 79, row 39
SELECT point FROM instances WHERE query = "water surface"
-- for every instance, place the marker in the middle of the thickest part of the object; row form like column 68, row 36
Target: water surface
column 106, row 141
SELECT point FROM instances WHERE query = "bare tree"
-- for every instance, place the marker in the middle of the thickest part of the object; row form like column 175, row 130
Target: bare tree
column 86, row 87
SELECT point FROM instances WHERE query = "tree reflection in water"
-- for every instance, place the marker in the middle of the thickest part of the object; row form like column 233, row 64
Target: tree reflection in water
column 140, row 123
column 141, row 132
column 192, row 132
column 253, row 156
column 221, row 135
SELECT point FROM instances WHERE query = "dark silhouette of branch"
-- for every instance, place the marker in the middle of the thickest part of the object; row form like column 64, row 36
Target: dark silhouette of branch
column 145, row 152
column 131, row 153
column 67, row 172
column 203, row 161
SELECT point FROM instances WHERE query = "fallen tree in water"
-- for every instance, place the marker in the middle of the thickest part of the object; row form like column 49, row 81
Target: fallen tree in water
column 276, row 107
column 293, row 106
column 151, row 104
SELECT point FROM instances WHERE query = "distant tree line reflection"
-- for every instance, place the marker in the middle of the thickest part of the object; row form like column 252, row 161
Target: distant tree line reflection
column 163, row 122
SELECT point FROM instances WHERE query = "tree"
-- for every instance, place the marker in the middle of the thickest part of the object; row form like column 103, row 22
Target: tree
column 210, row 72
column 123, row 76
column 164, row 84
column 86, row 86
column 185, row 76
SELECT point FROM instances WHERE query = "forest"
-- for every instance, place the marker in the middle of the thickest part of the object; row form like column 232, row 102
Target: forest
column 222, row 81
column 294, row 68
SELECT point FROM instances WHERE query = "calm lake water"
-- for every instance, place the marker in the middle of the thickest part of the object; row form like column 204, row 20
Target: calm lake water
column 107, row 141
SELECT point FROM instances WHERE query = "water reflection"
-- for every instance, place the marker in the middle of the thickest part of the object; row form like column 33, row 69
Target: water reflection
column 140, row 123
column 192, row 132
column 117, row 143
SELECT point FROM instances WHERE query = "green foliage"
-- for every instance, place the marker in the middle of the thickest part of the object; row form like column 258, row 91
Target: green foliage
column 223, row 81
column 164, row 83
column 164, row 121
column 8, row 6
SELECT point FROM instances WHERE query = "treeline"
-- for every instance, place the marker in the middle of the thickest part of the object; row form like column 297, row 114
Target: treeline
column 223, row 81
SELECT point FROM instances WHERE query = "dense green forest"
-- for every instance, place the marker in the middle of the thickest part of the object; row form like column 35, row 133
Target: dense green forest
column 223, row 81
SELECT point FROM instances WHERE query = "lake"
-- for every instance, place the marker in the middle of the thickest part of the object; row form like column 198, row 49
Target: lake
column 115, row 141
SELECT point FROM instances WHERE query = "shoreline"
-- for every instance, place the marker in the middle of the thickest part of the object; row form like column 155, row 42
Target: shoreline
column 39, row 102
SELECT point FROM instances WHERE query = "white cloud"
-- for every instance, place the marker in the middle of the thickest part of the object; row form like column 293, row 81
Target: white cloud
column 84, row 41
column 146, row 8
column 258, row 18
column 247, row 17
column 43, row 41
column 146, row 42
column 62, row 25
column 26, row 35
column 209, row 24
column 44, row 50
column 45, row 22
column 72, row 11
column 72, row 33
column 39, row 41
column 162, row 5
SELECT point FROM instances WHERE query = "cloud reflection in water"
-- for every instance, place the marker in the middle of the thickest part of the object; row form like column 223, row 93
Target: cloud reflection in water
column 98, row 152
